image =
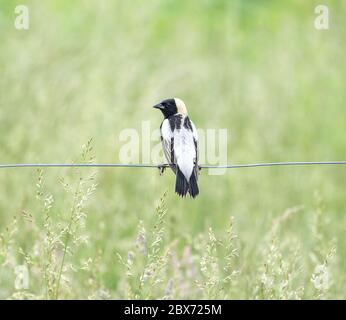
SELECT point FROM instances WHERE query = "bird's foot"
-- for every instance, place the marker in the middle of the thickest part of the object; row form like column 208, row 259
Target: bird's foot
column 161, row 168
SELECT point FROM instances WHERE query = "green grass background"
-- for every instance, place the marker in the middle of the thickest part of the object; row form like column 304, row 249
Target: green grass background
column 258, row 68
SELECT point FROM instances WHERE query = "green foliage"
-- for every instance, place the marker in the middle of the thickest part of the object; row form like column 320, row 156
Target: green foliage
column 257, row 68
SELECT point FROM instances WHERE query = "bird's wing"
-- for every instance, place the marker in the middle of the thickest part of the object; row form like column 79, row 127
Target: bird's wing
column 167, row 138
column 195, row 141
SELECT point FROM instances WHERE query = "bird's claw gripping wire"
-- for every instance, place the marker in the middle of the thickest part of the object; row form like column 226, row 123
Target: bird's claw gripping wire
column 162, row 168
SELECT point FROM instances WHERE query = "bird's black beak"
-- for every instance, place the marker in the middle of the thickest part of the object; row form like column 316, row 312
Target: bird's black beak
column 159, row 106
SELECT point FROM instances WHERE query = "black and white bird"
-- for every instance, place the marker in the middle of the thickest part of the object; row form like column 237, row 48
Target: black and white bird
column 180, row 145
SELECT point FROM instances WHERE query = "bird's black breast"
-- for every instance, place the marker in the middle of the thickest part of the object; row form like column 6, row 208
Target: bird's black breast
column 175, row 121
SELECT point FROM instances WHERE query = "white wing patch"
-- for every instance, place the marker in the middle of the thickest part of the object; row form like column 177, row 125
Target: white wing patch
column 184, row 150
column 194, row 131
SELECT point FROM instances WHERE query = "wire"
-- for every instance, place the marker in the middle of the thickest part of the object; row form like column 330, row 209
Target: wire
column 273, row 164
column 39, row 165
column 122, row 165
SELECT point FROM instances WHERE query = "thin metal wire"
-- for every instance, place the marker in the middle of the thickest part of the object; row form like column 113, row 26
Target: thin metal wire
column 273, row 164
column 122, row 165
column 39, row 165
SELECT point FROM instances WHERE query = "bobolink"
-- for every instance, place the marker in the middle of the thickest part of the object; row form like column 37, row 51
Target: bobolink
column 180, row 145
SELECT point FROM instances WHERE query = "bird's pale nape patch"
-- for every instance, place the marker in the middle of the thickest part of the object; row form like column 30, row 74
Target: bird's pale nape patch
column 180, row 106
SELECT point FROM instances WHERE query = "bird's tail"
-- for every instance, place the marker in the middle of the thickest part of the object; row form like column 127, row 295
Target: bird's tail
column 193, row 186
column 182, row 186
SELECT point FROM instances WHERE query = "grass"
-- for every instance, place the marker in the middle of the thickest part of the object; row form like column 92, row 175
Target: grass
column 257, row 68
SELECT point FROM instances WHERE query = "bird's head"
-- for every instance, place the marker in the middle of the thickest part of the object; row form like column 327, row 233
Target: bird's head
column 172, row 106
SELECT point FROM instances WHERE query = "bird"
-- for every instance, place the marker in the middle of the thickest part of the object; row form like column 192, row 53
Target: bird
column 180, row 145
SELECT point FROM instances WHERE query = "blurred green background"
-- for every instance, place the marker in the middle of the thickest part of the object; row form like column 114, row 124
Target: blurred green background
column 90, row 69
